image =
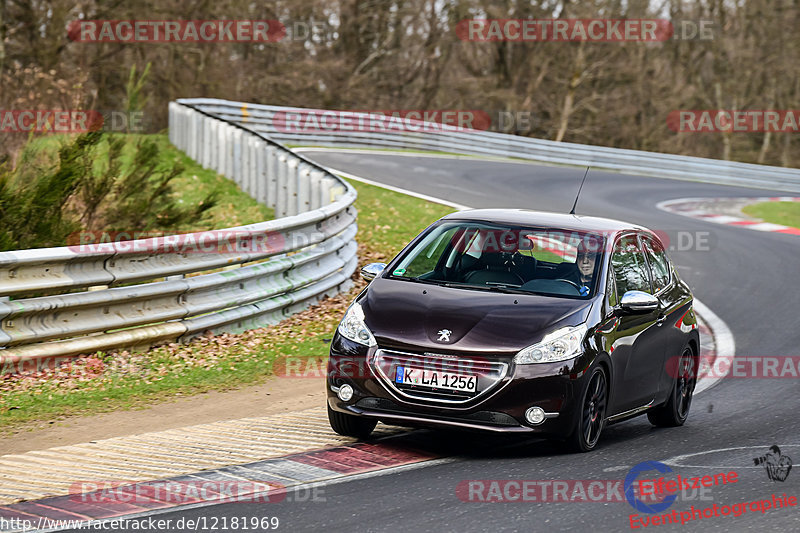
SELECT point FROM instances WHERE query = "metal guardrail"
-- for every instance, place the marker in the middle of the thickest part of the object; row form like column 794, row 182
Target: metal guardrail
column 272, row 121
column 269, row 270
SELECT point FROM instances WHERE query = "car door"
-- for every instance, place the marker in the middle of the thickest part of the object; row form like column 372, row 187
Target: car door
column 674, row 304
column 635, row 341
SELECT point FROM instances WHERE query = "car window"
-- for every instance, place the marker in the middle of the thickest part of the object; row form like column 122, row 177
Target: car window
column 630, row 269
column 554, row 248
column 432, row 248
column 611, row 292
column 474, row 242
column 484, row 255
column 659, row 264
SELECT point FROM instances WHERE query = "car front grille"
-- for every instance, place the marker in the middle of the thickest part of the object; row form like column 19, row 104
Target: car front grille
column 488, row 373
column 480, row 417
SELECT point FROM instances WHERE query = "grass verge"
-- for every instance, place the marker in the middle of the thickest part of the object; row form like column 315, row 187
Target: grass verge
column 125, row 380
column 234, row 207
column 784, row 213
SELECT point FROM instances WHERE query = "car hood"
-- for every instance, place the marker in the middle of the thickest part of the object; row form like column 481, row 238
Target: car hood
column 408, row 315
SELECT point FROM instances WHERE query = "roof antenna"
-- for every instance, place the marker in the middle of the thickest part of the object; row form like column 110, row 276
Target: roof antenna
column 579, row 192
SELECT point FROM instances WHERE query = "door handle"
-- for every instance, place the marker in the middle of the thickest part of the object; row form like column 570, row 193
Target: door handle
column 660, row 320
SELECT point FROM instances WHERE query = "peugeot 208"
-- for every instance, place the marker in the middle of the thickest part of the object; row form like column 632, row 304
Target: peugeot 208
column 517, row 321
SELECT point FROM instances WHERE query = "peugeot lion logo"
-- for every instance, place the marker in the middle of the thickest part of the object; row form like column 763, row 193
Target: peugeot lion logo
column 444, row 335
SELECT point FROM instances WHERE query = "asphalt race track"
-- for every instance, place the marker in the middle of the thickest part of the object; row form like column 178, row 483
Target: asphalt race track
column 748, row 278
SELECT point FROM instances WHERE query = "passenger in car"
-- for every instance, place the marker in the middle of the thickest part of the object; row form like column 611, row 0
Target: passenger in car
column 585, row 264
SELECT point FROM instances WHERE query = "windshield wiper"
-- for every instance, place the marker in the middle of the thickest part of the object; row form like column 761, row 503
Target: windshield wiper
column 488, row 288
column 507, row 289
column 454, row 285
column 418, row 280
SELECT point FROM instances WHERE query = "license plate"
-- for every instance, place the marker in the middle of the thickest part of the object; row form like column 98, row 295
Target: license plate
column 436, row 379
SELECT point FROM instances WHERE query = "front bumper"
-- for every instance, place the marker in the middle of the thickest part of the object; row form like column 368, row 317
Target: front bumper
column 554, row 387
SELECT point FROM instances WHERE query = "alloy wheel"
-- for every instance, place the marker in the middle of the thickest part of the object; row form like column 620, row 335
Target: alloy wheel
column 686, row 381
column 594, row 409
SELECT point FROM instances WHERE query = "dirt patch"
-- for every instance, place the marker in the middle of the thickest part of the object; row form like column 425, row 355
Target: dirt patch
column 276, row 395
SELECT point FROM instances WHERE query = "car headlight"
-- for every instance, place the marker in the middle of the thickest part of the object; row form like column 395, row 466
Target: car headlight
column 352, row 326
column 560, row 345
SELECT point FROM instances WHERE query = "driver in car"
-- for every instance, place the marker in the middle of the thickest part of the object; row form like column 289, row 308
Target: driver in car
column 585, row 262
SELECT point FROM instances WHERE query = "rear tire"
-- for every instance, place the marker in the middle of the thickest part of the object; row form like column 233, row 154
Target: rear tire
column 591, row 417
column 350, row 425
column 675, row 410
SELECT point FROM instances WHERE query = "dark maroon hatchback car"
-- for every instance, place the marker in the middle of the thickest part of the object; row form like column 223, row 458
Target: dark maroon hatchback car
column 517, row 321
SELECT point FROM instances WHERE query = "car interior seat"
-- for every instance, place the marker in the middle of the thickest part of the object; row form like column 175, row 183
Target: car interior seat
column 496, row 268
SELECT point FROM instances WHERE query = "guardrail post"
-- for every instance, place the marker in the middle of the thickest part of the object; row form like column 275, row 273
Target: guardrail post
column 291, row 186
column 244, row 157
column 315, row 188
column 191, row 145
column 225, row 161
column 222, row 147
column 271, row 177
column 256, row 148
column 202, row 132
column 194, row 135
column 171, row 111
column 236, row 157
column 281, row 198
column 214, row 149
column 304, row 188
column 260, row 148
column 327, row 185
column 205, row 156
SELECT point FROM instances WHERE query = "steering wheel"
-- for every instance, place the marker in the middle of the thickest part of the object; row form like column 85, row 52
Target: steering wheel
column 570, row 282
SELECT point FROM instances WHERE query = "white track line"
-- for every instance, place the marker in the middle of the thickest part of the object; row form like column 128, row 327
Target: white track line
column 723, row 338
column 707, row 214
column 398, row 189
column 677, row 459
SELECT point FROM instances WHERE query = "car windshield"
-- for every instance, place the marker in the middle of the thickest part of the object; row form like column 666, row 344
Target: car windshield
column 504, row 258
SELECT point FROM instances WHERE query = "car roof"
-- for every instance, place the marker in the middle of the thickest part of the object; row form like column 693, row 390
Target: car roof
column 546, row 219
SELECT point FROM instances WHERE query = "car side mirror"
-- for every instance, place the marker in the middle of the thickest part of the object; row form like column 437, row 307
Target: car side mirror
column 638, row 302
column 370, row 271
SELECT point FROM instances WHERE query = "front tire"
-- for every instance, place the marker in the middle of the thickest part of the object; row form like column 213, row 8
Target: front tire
column 675, row 410
column 350, row 425
column 592, row 415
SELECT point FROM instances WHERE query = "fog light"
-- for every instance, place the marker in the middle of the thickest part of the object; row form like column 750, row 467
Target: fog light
column 346, row 393
column 534, row 415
